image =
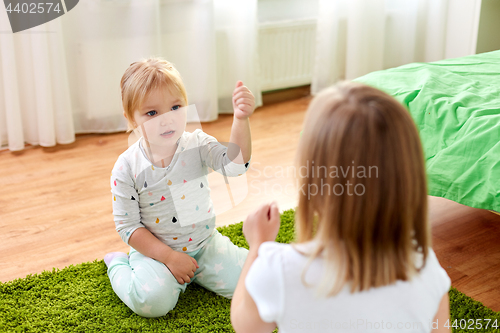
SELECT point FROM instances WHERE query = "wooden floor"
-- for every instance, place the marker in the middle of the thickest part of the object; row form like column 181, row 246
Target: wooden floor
column 55, row 203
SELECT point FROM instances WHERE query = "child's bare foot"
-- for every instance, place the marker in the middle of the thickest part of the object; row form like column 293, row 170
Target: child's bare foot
column 111, row 255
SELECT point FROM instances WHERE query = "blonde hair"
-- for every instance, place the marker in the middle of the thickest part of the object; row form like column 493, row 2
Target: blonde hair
column 367, row 240
column 144, row 76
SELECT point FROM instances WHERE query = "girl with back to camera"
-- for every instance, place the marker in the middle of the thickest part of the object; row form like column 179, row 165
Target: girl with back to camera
column 161, row 196
column 363, row 260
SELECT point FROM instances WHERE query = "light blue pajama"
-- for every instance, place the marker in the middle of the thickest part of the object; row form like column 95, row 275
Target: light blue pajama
column 148, row 287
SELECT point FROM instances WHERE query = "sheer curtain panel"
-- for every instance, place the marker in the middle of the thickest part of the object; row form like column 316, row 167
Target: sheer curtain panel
column 63, row 77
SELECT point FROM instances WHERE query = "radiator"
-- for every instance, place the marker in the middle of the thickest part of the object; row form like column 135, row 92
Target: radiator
column 286, row 53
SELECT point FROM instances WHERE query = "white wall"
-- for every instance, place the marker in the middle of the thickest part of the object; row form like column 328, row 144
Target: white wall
column 489, row 27
column 281, row 10
column 462, row 27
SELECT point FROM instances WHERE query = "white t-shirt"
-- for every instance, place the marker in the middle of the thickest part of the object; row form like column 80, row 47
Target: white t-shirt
column 173, row 202
column 274, row 283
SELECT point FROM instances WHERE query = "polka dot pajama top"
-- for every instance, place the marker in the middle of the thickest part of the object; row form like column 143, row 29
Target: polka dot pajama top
column 174, row 202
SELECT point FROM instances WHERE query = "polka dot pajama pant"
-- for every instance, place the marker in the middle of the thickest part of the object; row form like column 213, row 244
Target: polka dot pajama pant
column 148, row 288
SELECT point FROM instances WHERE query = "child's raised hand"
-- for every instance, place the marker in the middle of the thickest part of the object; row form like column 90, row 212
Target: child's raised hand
column 182, row 266
column 243, row 101
column 262, row 225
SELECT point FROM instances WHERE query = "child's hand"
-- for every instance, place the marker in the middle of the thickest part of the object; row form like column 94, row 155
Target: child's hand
column 262, row 225
column 243, row 101
column 182, row 266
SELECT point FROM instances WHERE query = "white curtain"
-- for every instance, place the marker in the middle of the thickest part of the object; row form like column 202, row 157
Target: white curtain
column 237, row 55
column 356, row 37
column 63, row 77
column 34, row 96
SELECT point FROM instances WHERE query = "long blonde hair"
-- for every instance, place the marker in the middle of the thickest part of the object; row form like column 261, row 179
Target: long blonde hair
column 144, row 76
column 368, row 236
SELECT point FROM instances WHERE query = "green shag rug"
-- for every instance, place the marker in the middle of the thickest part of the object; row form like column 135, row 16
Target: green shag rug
column 80, row 299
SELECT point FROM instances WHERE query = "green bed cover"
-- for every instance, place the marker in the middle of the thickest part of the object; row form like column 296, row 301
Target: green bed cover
column 456, row 106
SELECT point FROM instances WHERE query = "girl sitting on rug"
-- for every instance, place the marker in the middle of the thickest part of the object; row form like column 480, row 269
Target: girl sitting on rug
column 161, row 198
column 362, row 261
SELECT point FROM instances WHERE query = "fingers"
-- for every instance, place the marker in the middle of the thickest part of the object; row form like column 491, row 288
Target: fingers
column 242, row 90
column 274, row 213
column 244, row 100
column 239, row 84
column 274, row 210
column 269, row 211
column 262, row 211
column 195, row 262
column 186, row 278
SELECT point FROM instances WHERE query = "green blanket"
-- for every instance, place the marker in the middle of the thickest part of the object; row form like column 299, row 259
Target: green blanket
column 456, row 106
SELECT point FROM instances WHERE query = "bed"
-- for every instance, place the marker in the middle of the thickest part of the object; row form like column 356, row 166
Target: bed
column 456, row 106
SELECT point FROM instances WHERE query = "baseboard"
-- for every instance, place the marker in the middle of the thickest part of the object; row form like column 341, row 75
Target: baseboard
column 282, row 95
